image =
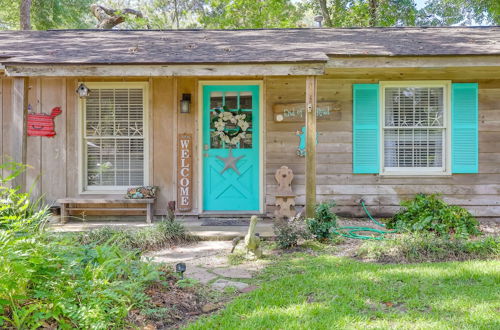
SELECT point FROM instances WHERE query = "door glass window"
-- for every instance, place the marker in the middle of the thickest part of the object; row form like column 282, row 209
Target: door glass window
column 227, row 133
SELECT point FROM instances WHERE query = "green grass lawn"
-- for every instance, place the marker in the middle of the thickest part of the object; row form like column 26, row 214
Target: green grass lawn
column 326, row 292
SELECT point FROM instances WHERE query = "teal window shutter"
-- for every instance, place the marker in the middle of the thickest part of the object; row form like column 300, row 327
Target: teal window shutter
column 366, row 111
column 464, row 128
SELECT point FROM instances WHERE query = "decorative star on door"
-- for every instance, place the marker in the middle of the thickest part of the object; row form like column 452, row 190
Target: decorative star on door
column 230, row 162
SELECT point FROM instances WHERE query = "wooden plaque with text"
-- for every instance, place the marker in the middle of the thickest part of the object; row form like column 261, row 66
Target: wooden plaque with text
column 185, row 172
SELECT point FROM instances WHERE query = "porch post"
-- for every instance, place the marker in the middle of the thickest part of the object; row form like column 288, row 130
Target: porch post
column 18, row 128
column 311, row 84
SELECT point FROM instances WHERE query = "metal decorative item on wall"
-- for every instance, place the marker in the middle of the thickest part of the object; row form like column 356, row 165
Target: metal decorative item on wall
column 301, row 149
column 42, row 124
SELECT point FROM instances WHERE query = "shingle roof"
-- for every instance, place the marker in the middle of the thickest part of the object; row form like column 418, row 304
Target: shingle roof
column 240, row 46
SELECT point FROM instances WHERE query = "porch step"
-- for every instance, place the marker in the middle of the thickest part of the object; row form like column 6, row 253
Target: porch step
column 232, row 215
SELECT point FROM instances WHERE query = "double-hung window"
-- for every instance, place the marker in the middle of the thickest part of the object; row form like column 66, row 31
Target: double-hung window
column 114, row 136
column 414, row 128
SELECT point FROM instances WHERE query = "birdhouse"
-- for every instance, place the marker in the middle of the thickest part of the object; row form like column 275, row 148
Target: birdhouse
column 83, row 91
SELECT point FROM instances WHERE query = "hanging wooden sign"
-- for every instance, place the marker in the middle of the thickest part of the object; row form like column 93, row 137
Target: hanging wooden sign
column 185, row 172
column 296, row 112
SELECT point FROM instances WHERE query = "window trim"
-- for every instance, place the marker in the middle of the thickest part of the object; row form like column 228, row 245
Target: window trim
column 82, row 167
column 416, row 171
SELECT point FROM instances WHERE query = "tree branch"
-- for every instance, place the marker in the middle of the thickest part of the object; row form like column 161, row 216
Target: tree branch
column 109, row 18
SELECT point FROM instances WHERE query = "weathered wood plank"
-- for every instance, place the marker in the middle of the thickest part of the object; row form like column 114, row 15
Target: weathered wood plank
column 163, row 141
column 53, row 155
column 370, row 62
column 18, row 130
column 34, row 144
column 311, row 114
column 207, row 70
column 72, row 138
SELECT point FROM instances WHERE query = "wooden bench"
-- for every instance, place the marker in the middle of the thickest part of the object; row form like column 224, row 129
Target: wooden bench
column 75, row 204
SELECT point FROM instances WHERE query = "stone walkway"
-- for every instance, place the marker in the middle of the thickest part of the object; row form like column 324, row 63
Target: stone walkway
column 207, row 262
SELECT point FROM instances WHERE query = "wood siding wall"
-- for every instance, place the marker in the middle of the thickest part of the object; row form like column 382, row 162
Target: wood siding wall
column 480, row 193
column 54, row 161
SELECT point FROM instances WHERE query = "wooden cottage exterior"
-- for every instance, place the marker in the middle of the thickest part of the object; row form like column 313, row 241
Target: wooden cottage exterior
column 398, row 111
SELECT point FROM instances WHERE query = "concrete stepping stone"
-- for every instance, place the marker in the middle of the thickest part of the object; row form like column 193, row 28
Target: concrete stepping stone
column 222, row 284
column 232, row 272
column 199, row 274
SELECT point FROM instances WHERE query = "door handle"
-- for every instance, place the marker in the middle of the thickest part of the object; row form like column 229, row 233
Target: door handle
column 205, row 154
column 206, row 147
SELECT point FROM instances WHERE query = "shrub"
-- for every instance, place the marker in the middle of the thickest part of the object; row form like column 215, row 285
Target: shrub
column 428, row 213
column 18, row 211
column 323, row 222
column 289, row 232
column 161, row 235
column 52, row 284
column 420, row 247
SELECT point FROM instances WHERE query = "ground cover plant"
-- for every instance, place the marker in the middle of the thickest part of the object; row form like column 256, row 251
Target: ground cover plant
column 301, row 291
column 429, row 213
column 62, row 281
column 423, row 247
column 163, row 234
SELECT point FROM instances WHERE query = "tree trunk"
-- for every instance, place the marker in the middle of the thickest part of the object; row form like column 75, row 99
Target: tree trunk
column 25, row 14
column 373, row 12
column 325, row 12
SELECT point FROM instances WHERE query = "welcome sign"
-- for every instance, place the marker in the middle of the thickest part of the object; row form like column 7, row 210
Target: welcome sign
column 185, row 172
column 296, row 112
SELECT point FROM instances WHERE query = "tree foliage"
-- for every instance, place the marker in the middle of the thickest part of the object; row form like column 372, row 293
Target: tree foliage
column 48, row 14
column 364, row 13
column 463, row 12
column 255, row 14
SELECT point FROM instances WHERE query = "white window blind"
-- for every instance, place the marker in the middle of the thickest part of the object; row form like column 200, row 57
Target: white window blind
column 114, row 138
column 414, row 128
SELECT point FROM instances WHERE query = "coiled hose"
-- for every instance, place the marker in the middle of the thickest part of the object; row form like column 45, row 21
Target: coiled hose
column 352, row 232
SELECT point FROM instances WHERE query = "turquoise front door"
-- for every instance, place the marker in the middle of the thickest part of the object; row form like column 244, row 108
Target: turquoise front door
column 231, row 164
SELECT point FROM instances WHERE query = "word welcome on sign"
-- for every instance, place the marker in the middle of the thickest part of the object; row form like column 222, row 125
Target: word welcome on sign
column 296, row 112
column 185, row 172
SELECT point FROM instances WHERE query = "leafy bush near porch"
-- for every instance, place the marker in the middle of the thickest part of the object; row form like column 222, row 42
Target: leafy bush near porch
column 60, row 284
column 422, row 247
column 18, row 211
column 324, row 221
column 163, row 234
column 429, row 213
column 290, row 232
column 49, row 282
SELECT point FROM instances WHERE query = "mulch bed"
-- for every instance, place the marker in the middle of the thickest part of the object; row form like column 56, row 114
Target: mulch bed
column 175, row 306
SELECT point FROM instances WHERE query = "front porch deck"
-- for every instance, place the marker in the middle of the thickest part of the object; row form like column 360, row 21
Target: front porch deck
column 214, row 229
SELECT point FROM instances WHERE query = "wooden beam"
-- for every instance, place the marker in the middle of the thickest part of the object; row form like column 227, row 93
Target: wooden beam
column 311, row 102
column 18, row 129
column 235, row 70
column 371, row 62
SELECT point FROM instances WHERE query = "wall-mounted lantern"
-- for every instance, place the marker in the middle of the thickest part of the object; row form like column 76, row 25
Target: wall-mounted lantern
column 185, row 103
column 83, row 91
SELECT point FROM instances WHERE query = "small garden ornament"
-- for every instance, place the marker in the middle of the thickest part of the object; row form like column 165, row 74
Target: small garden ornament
column 285, row 198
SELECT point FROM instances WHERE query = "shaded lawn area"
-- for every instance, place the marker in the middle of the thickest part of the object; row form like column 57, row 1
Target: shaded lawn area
column 324, row 292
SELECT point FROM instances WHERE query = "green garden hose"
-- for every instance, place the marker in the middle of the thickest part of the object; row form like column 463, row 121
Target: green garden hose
column 352, row 232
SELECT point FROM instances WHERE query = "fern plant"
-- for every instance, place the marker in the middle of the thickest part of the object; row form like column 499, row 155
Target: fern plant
column 429, row 213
